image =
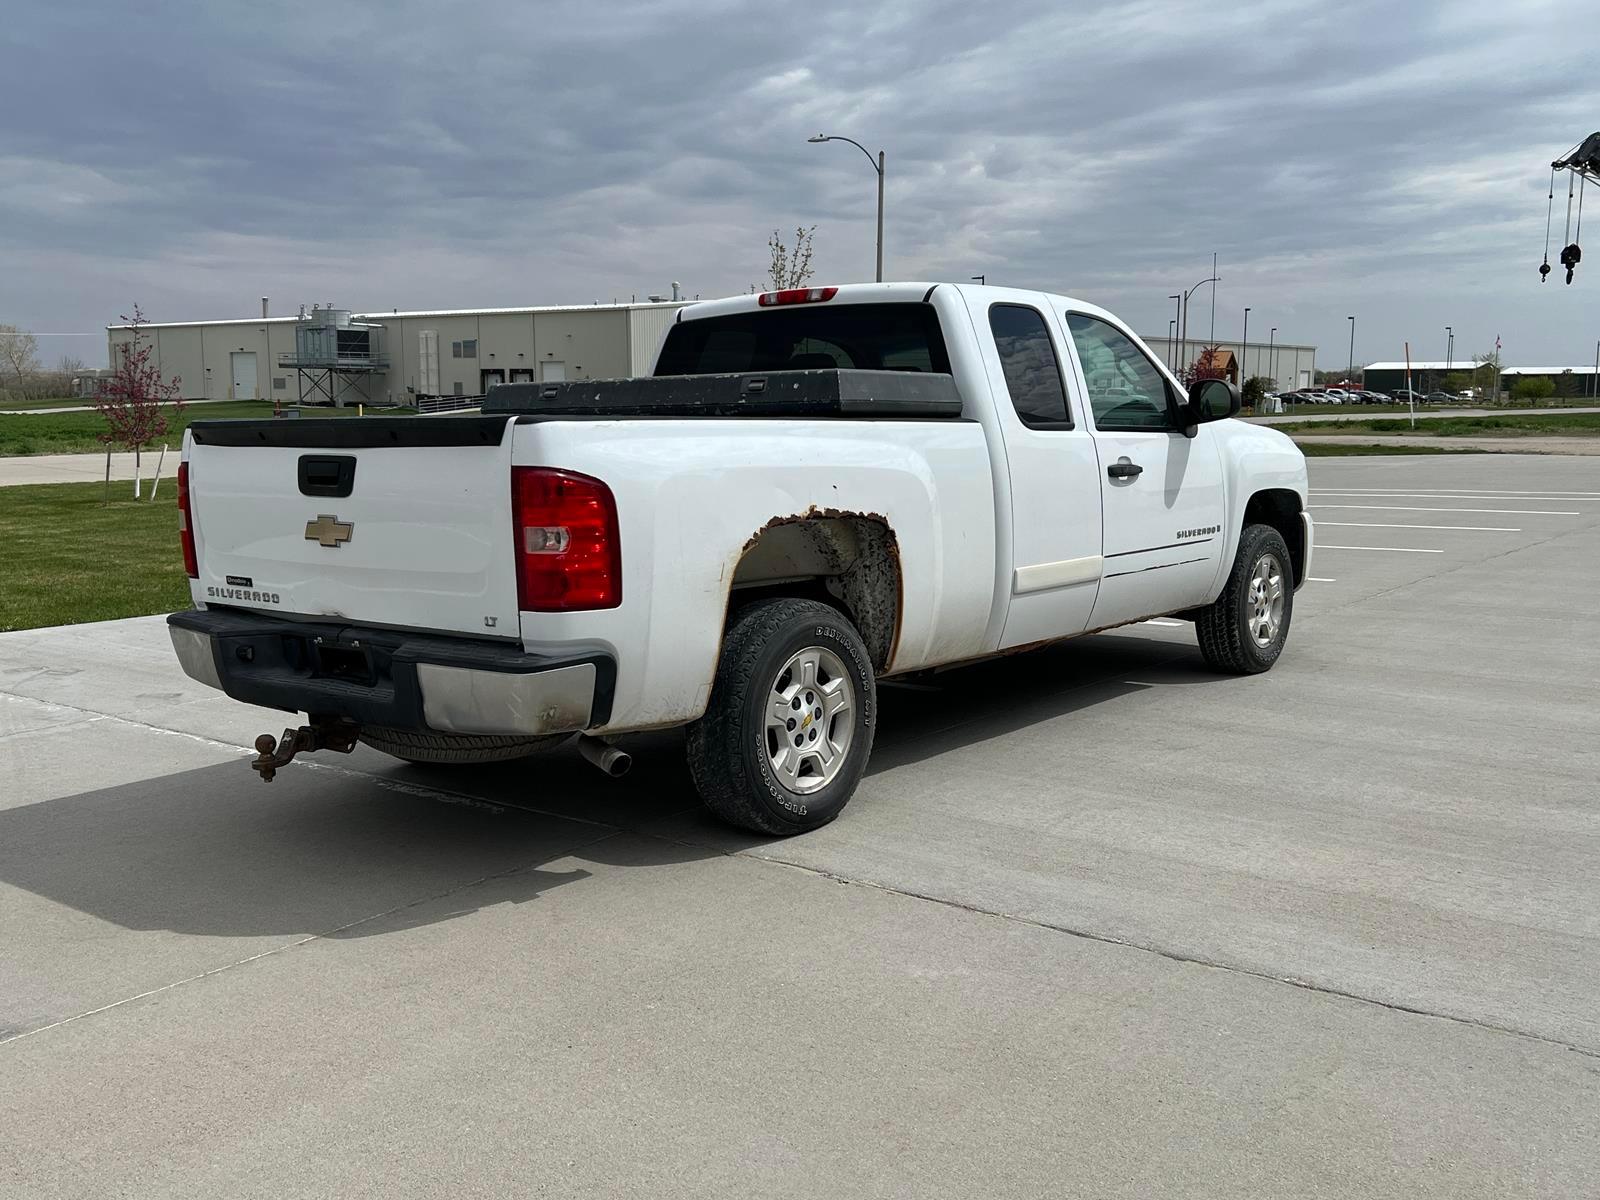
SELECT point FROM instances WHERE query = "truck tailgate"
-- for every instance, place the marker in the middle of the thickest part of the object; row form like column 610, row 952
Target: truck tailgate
column 399, row 521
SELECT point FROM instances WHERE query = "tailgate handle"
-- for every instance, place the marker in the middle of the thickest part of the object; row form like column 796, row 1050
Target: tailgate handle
column 327, row 474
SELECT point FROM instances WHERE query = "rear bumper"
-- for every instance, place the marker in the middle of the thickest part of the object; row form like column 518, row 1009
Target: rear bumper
column 392, row 678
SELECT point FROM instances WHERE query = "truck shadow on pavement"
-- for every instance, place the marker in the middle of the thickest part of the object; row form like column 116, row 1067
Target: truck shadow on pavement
column 359, row 845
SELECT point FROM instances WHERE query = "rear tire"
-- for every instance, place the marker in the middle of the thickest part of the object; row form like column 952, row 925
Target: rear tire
column 787, row 732
column 1244, row 631
column 435, row 749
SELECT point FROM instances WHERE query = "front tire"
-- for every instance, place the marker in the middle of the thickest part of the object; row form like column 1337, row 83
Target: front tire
column 1244, row 631
column 788, row 729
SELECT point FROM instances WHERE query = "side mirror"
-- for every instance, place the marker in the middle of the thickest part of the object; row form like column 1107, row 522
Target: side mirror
column 1213, row 400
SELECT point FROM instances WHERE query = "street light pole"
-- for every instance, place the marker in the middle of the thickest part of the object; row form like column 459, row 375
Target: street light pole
column 1183, row 316
column 1350, row 376
column 1449, row 353
column 877, row 165
column 1597, row 369
column 1244, row 346
column 1177, row 314
column 1172, row 326
column 1272, row 357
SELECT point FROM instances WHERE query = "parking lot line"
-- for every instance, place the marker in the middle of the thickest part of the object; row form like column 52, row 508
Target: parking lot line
column 1382, row 491
column 1162, row 621
column 1388, row 525
column 1390, row 549
column 1436, row 496
column 1319, row 579
column 1526, row 512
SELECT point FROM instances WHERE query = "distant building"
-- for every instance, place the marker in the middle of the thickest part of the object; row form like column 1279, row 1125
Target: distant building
column 398, row 357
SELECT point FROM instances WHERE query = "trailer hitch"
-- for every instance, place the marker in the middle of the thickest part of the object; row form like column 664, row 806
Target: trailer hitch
column 322, row 734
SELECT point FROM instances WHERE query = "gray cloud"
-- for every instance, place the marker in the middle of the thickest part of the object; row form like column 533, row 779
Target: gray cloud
column 1376, row 159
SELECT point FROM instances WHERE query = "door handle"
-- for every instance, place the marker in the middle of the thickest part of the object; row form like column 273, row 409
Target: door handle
column 1123, row 469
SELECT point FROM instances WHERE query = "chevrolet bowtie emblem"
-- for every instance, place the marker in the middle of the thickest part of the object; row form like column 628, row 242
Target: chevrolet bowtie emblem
column 328, row 530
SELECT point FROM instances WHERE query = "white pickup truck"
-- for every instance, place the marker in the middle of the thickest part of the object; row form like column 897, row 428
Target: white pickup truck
column 816, row 489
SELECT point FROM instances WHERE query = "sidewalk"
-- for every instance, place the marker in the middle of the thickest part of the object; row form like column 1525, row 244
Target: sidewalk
column 83, row 468
column 1536, row 444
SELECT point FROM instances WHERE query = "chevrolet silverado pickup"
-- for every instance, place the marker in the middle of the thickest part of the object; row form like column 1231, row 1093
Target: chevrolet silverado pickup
column 816, row 489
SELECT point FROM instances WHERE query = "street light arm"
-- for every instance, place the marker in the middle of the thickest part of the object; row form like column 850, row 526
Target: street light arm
column 834, row 137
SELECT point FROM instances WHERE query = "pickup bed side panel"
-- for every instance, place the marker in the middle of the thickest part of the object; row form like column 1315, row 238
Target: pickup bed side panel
column 692, row 495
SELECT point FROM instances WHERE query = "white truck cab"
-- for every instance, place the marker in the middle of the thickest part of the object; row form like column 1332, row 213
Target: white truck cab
column 815, row 489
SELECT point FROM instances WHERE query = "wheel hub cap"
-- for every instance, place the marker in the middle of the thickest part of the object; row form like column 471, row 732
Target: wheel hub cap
column 1265, row 600
column 810, row 719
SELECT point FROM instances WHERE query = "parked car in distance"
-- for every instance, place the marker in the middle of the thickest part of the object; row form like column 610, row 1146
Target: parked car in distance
column 1409, row 396
column 1440, row 398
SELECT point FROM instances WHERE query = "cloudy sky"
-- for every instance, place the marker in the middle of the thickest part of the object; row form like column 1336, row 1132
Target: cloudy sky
column 1387, row 160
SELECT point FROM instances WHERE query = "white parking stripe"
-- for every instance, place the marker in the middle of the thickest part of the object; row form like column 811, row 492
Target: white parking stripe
column 1387, row 525
column 1466, row 491
column 1526, row 512
column 1315, row 579
column 1391, row 549
column 1453, row 499
column 1165, row 624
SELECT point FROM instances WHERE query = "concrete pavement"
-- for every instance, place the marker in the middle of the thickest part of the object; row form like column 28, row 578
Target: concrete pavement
column 1536, row 444
column 1097, row 923
column 82, row 468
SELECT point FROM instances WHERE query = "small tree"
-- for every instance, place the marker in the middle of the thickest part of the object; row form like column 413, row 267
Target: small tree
column 19, row 353
column 1255, row 391
column 790, row 268
column 130, row 400
column 1535, row 387
column 1207, row 366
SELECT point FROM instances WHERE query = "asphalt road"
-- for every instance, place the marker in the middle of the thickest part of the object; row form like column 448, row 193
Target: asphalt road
column 1098, row 923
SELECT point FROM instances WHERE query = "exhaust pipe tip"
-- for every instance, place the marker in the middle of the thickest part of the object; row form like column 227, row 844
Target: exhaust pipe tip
column 615, row 763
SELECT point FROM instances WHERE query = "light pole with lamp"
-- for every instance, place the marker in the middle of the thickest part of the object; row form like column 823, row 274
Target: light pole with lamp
column 1172, row 326
column 1183, row 318
column 1272, row 358
column 877, row 165
column 1244, row 346
column 1449, row 354
column 1172, row 345
column 1350, row 377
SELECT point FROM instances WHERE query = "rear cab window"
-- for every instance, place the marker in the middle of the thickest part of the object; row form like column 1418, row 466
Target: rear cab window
column 809, row 337
column 1032, row 371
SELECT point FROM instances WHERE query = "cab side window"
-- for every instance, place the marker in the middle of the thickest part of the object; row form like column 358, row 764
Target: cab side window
column 1126, row 391
column 1033, row 375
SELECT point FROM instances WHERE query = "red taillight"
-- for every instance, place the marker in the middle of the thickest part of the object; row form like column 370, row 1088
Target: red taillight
column 797, row 296
column 191, row 563
column 568, row 553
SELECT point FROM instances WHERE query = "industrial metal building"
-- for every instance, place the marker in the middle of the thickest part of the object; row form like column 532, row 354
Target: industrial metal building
column 329, row 354
column 398, row 357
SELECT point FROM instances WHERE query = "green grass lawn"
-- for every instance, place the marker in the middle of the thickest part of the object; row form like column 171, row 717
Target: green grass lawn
column 68, row 559
column 1347, row 449
column 1499, row 425
column 77, row 433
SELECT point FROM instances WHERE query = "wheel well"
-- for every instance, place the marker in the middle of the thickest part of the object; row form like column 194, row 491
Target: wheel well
column 1280, row 508
column 848, row 560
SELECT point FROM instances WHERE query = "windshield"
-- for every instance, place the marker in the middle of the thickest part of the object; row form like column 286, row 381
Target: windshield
column 808, row 337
